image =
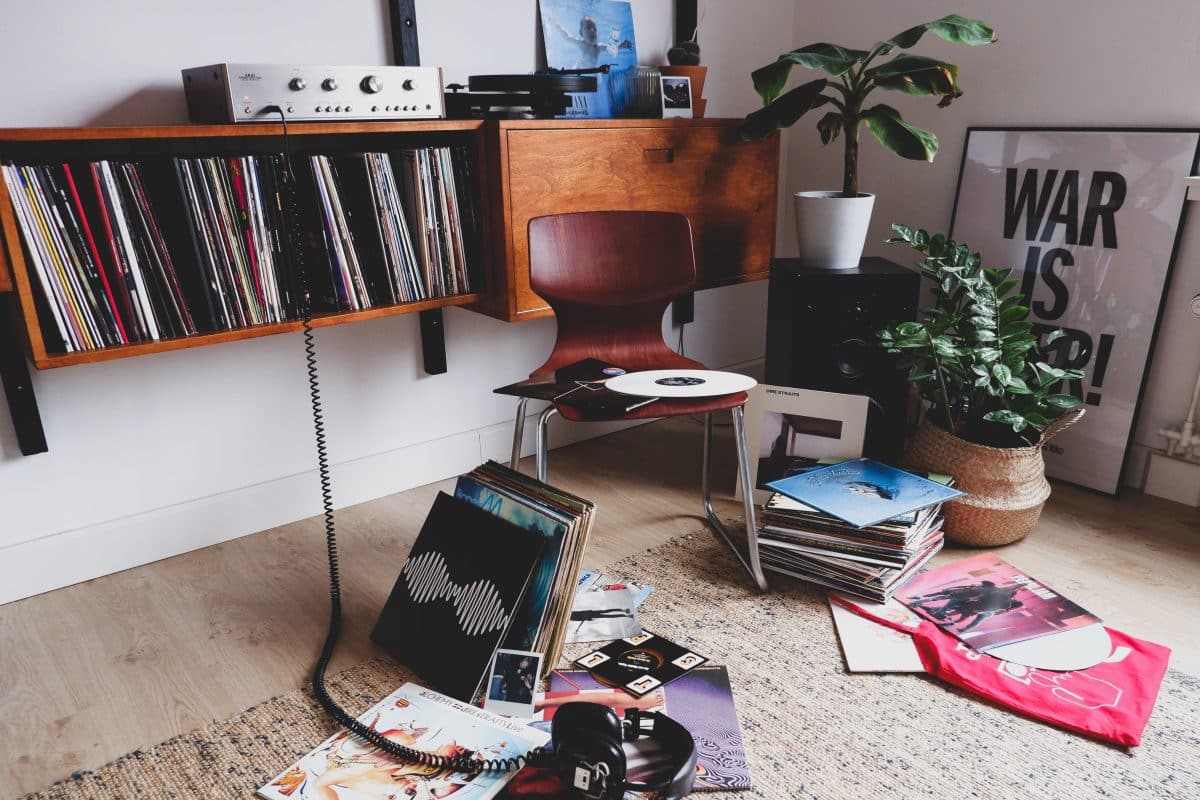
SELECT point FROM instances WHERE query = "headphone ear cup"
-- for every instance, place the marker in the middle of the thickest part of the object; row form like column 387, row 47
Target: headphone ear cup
column 585, row 735
column 592, row 719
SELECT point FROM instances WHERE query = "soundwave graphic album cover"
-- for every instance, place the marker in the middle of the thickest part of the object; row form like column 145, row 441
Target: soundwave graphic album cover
column 457, row 595
column 344, row 767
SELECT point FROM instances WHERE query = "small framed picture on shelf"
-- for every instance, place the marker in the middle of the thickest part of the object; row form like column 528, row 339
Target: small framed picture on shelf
column 676, row 96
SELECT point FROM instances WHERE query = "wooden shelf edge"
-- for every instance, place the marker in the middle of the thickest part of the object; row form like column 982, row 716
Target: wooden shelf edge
column 186, row 131
column 324, row 320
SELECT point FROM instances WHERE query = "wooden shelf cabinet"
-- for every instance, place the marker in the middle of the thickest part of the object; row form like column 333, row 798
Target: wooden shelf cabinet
column 51, row 145
column 525, row 169
column 726, row 187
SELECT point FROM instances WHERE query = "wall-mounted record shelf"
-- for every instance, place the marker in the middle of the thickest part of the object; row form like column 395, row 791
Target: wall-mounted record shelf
column 76, row 145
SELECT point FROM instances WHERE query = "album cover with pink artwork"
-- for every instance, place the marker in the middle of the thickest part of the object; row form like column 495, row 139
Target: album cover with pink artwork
column 987, row 603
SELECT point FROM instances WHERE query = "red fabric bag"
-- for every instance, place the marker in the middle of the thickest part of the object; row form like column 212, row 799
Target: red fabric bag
column 1111, row 701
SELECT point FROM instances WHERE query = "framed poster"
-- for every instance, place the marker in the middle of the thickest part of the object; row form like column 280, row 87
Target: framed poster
column 1090, row 220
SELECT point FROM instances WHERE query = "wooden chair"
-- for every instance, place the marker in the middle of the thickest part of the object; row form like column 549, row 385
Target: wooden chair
column 609, row 276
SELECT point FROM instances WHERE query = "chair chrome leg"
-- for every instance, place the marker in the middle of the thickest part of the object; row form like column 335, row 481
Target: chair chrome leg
column 518, row 433
column 751, row 564
column 543, row 443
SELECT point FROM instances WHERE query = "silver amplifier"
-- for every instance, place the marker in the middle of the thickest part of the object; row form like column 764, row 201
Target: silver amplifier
column 245, row 92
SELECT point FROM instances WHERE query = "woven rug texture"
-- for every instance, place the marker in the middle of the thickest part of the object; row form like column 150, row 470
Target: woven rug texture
column 811, row 729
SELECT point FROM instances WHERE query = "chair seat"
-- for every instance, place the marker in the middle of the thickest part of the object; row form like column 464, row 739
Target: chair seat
column 677, row 407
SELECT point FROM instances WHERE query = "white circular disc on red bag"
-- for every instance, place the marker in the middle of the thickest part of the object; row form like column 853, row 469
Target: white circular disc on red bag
column 1061, row 652
column 680, row 383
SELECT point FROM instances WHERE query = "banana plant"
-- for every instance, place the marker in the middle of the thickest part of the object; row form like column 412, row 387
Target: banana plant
column 976, row 357
column 853, row 75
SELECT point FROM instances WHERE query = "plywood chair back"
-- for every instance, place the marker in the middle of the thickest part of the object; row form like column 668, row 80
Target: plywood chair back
column 609, row 276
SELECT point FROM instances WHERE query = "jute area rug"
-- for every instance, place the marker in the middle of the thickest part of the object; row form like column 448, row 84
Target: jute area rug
column 811, row 729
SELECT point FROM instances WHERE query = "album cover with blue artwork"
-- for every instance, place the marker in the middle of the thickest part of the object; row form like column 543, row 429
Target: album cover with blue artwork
column 863, row 492
column 458, row 595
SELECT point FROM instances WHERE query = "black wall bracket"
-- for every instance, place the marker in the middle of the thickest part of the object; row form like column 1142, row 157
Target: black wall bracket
column 18, row 388
column 406, row 52
column 433, row 341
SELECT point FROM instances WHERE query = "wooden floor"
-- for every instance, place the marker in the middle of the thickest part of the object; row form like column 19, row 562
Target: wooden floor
column 96, row 670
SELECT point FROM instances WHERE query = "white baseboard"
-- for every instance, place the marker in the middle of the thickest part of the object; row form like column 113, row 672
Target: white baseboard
column 68, row 557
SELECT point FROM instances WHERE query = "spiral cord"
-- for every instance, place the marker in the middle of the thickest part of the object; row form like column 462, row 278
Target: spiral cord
column 460, row 763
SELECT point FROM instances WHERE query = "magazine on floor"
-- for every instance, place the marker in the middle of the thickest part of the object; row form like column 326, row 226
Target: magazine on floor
column 345, row 767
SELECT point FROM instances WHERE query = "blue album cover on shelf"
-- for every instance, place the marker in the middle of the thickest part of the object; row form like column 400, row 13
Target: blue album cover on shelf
column 586, row 34
column 863, row 492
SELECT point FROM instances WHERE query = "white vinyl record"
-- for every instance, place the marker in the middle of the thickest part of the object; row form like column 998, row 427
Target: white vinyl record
column 1062, row 652
column 680, row 383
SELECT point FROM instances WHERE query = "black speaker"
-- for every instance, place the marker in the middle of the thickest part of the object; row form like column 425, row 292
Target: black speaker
column 821, row 328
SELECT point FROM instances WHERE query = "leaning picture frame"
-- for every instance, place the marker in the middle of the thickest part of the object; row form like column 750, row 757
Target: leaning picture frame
column 1089, row 219
column 676, row 96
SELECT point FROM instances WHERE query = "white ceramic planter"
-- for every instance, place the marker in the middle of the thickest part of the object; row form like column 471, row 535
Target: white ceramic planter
column 832, row 228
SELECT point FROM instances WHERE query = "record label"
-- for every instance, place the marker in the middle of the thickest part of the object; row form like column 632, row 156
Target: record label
column 680, row 383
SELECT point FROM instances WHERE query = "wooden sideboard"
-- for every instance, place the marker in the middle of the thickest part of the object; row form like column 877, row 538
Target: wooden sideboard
column 526, row 168
column 726, row 187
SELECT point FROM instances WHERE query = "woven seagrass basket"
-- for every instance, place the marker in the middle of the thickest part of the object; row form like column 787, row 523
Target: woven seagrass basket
column 1006, row 486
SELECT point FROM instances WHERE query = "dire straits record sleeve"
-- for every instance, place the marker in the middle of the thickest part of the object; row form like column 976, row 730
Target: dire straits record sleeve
column 640, row 664
column 680, row 383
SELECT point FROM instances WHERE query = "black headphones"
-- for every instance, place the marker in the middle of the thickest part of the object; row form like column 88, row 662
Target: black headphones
column 586, row 741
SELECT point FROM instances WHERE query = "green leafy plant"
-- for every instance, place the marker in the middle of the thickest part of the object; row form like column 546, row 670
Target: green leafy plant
column 853, row 76
column 976, row 356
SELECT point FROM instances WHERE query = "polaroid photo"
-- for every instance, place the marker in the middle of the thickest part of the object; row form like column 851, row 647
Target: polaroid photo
column 676, row 96
column 789, row 429
column 512, row 683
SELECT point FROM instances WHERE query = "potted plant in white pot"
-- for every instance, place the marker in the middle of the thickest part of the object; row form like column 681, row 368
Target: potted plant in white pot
column 832, row 225
column 991, row 390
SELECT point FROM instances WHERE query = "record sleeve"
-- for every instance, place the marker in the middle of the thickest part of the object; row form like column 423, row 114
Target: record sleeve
column 457, row 595
column 640, row 664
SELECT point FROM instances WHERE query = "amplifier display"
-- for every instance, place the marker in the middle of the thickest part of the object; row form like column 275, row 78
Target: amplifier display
column 244, row 92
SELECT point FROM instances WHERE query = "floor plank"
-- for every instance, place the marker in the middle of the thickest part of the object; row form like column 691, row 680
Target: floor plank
column 93, row 671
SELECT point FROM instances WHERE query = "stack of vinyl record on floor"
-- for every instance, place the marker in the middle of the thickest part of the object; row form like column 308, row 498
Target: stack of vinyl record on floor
column 505, row 553
column 879, row 526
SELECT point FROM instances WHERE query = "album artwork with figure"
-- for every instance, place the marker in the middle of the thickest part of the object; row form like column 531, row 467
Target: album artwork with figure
column 345, row 767
column 988, row 603
column 585, row 34
column 863, row 492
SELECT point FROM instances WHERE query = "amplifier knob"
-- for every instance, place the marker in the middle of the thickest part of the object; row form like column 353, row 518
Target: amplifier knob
column 329, row 84
column 371, row 85
column 409, row 85
column 297, row 84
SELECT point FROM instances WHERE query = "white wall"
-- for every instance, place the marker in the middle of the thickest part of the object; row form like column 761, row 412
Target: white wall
column 1061, row 63
column 156, row 455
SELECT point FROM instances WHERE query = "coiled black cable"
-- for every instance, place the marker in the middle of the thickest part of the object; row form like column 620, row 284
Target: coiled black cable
column 460, row 763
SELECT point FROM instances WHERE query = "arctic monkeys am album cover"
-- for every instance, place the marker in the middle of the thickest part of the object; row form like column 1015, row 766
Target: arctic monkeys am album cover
column 457, row 595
